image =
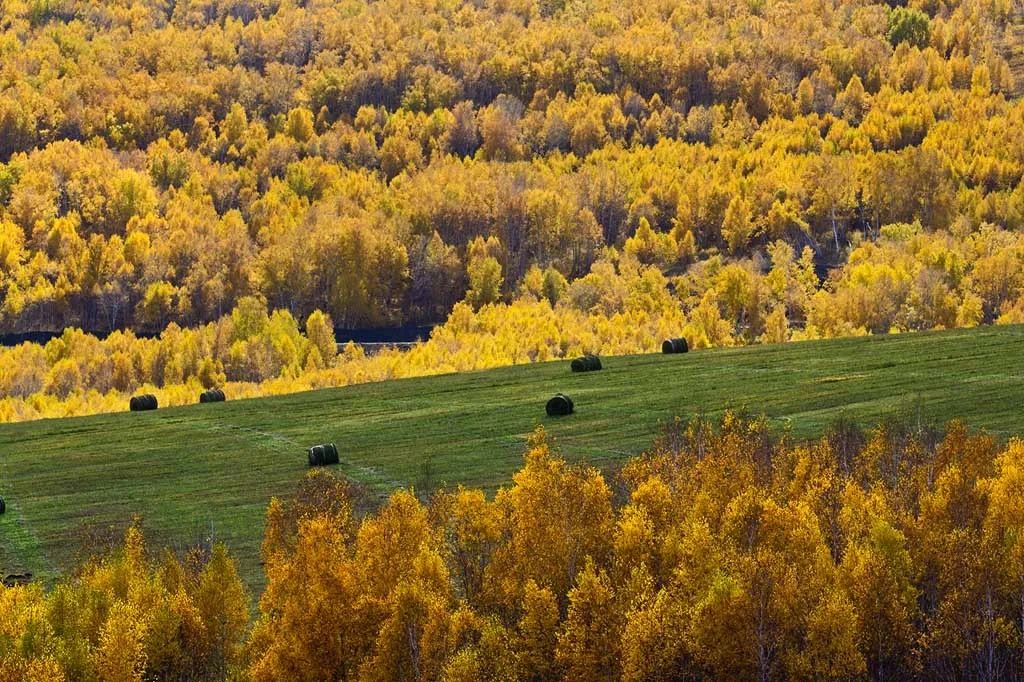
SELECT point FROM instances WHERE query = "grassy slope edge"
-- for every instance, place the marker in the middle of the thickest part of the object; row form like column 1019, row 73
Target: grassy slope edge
column 208, row 471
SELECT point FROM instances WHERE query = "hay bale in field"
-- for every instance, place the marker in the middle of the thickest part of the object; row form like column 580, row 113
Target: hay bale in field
column 140, row 403
column 675, row 346
column 213, row 395
column 16, row 579
column 322, row 455
column 587, row 363
column 560, row 405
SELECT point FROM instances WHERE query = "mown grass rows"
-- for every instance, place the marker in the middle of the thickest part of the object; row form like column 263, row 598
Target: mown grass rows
column 208, row 471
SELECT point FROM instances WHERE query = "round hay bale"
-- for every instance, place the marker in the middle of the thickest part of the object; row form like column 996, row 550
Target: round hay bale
column 675, row 346
column 559, row 406
column 213, row 395
column 322, row 455
column 586, row 363
column 143, row 402
column 16, row 579
column 3, row 506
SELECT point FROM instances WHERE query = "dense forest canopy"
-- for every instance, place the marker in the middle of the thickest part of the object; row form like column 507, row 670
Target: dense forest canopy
column 749, row 171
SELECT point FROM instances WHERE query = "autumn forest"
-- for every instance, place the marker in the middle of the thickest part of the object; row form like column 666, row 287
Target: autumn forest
column 207, row 188
column 724, row 553
column 202, row 194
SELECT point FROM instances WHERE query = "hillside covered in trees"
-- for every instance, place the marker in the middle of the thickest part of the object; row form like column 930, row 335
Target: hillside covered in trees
column 724, row 553
column 594, row 173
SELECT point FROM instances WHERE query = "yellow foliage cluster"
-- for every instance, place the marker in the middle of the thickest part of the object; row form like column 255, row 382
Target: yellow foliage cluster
column 126, row 618
column 161, row 163
column 734, row 172
column 908, row 279
column 726, row 553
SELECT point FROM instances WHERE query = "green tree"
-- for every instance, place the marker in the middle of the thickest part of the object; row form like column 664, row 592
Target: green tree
column 908, row 25
column 320, row 332
column 485, row 281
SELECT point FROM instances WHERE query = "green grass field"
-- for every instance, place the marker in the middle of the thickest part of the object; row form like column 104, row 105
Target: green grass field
column 209, row 470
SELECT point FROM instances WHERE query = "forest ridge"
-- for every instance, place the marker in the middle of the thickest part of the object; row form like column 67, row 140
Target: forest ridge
column 246, row 175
